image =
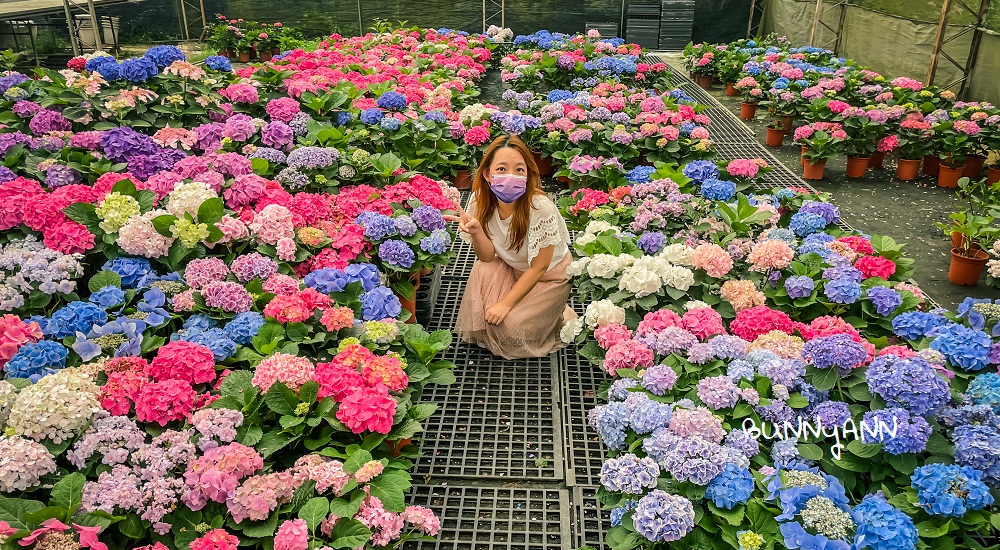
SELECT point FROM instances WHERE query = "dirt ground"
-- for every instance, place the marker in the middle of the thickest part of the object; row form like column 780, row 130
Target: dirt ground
column 880, row 203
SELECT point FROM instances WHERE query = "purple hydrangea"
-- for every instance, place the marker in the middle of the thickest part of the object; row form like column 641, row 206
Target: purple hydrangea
column 885, row 300
column 377, row 226
column 785, row 452
column 312, row 157
column 899, row 431
column 662, row 517
column 727, row 347
column 827, row 211
column 121, row 143
column 659, row 379
column 428, row 218
column 782, row 371
column 839, row 351
column 799, row 286
column 48, row 120
column 406, row 226
column 842, row 290
column 912, row 384
column 718, row 392
column 691, row 458
column 271, row 155
column 831, row 413
column 629, row 474
column 277, row 134
column 59, row 175
column 743, row 442
column 436, row 243
column 396, row 253
column 651, row 242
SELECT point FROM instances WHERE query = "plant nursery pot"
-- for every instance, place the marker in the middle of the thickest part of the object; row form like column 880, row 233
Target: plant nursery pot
column 857, row 166
column 462, row 180
column 958, row 241
column 731, row 89
column 544, row 164
column 802, row 157
column 965, row 270
column 812, row 171
column 786, row 124
column 396, row 446
column 411, row 303
column 775, row 136
column 974, row 166
column 228, row 54
column 564, row 179
column 275, row 51
column 949, row 176
column 704, row 81
column 908, row 169
column 876, row 161
column 265, row 56
column 748, row 111
column 244, row 57
column 931, row 165
column 993, row 175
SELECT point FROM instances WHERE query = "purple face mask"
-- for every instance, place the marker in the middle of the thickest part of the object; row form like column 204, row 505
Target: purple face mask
column 509, row 188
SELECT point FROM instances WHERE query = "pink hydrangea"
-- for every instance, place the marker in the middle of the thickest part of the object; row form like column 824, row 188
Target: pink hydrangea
column 630, row 354
column 902, row 352
column 272, row 224
column 753, row 322
column 611, row 334
column 875, row 266
column 745, row 168
column 292, row 534
column 385, row 525
column 703, row 322
column 216, row 539
column 368, row 409
column 165, row 401
column 228, row 296
column 184, row 301
column 232, row 229
column 290, row 370
column 422, row 519
column 697, row 422
column 655, row 321
column 388, row 371
column 888, row 144
column 337, row 317
column 337, row 380
column 282, row 108
column 288, row 309
column 14, row 333
column 201, row 271
column 260, row 495
column 328, row 474
column 253, row 266
column 858, row 244
column 214, row 476
column 770, row 254
column 368, row 471
column 180, row 360
column 240, row 93
column 713, row 259
column 244, row 190
column 742, row 295
column 718, row 392
column 286, row 249
column 280, row 284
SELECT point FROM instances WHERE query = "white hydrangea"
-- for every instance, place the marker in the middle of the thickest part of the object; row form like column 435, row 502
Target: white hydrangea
column 993, row 267
column 679, row 277
column 475, row 113
column 695, row 304
column 57, row 407
column 604, row 266
column 656, row 264
column 678, row 253
column 640, row 281
column 139, row 237
column 571, row 330
column 596, row 227
column 584, row 239
column 577, row 267
column 8, row 394
column 187, row 197
column 603, row 312
column 22, row 463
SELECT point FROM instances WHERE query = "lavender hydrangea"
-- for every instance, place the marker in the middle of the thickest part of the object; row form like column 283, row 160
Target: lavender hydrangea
column 799, row 286
column 611, row 421
column 912, row 384
column 428, row 218
column 718, row 392
column 743, row 442
column 651, row 242
column 842, row 290
column 647, row 415
column 629, row 474
column 885, row 300
column 899, row 431
column 827, row 211
column 618, row 391
column 436, row 243
column 979, row 447
column 839, row 351
column 396, row 253
column 728, row 347
column 662, row 517
column 831, row 414
column 659, row 379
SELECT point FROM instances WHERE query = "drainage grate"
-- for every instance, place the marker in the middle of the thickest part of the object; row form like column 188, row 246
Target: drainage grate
column 590, row 521
column 699, row 94
column 461, row 264
column 494, row 518
column 501, row 419
column 726, row 128
column 449, row 297
column 584, row 451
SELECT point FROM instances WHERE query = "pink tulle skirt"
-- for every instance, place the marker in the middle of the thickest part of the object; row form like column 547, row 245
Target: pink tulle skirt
column 532, row 327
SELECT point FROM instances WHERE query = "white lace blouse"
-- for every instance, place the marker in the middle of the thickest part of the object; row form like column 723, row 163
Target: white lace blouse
column 546, row 228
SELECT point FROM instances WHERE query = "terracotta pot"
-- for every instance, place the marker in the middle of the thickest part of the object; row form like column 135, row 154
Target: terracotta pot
column 993, row 175
column 775, row 136
column 857, row 166
column 802, row 157
column 265, row 56
column 931, row 165
column 411, row 304
column 564, row 179
column 813, row 171
column 225, row 53
column 966, row 270
column 974, row 166
column 748, row 111
column 704, row 81
column 948, row 176
column 462, row 180
column 958, row 241
column 731, row 90
column 396, row 446
column 908, row 169
column 786, row 123
column 876, row 162
column 244, row 57
column 275, row 51
column 544, row 164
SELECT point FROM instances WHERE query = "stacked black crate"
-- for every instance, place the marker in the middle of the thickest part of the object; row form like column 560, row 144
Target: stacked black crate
column 676, row 20
column 642, row 26
column 607, row 29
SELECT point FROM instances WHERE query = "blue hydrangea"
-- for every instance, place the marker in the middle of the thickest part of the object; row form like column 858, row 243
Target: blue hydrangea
column 985, row 390
column 75, row 317
column 618, row 513
column 138, row 69
column 436, row 116
column 203, row 322
column 733, row 486
column 611, row 421
column 108, row 296
column 701, row 170
column 629, row 474
column 914, row 325
column 380, row 303
column 94, row 63
column 244, row 327
column 377, row 226
column 829, row 212
column 651, row 242
column 436, row 243
column 781, row 234
column 405, row 226
column 780, row 83
column 35, row 359
column 218, row 63
column 390, row 124
column 978, row 446
column 883, row 526
column 162, row 55
column 131, row 270
column 647, row 415
column 396, row 253
column 110, row 71
column 912, row 384
column 842, row 290
column 964, row 347
column 556, row 96
column 885, row 300
column 393, row 101
column 806, row 223
column 949, row 490
column 343, row 117
column 799, row 286
column 680, row 95
column 686, row 128
column 373, row 115
column 640, row 174
column 215, row 339
column 718, row 190
column 899, row 431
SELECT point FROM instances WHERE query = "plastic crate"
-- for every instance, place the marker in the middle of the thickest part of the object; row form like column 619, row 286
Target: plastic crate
column 585, row 453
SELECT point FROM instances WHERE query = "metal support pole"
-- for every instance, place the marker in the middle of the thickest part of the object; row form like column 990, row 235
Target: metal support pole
column 72, row 29
column 840, row 26
column 938, row 41
column 204, row 21
column 484, row 16
column 503, row 16
column 812, row 34
column 184, row 19
column 753, row 8
column 977, row 38
column 361, row 26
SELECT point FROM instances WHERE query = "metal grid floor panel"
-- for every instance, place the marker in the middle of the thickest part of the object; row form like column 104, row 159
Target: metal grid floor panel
column 461, row 264
column 500, row 420
column 495, row 518
column 590, row 521
column 725, row 128
column 585, row 453
column 699, row 94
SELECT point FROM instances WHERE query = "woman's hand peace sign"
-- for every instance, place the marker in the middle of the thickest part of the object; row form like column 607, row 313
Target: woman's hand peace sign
column 466, row 223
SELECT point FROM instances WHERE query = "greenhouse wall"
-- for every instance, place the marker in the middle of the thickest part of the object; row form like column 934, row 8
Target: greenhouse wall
column 889, row 44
